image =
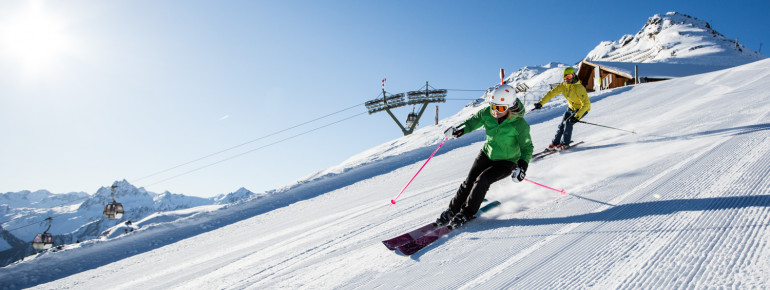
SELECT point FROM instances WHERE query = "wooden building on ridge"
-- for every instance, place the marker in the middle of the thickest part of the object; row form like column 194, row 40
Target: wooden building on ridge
column 602, row 75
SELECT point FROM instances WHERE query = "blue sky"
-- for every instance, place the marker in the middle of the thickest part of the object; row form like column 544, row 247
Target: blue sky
column 97, row 91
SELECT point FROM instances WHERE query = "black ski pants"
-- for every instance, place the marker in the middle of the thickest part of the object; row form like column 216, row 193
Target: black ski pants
column 472, row 191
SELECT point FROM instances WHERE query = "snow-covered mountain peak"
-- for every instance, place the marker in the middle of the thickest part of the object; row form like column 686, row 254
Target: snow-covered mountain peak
column 528, row 72
column 675, row 38
column 39, row 199
column 658, row 23
column 238, row 195
column 123, row 192
column 79, row 216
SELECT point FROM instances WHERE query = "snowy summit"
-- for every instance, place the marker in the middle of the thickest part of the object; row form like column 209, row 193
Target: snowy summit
column 676, row 38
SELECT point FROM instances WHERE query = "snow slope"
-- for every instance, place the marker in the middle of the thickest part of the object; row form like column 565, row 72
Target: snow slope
column 685, row 202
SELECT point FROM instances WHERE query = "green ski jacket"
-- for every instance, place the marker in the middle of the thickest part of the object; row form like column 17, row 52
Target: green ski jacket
column 508, row 140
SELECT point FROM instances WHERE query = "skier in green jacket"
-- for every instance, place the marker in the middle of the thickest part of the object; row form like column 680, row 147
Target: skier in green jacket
column 506, row 153
column 578, row 106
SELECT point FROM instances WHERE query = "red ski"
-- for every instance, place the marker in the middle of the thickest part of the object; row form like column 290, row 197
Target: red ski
column 420, row 243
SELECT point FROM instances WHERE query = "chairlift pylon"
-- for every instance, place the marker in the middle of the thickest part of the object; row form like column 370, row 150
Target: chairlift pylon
column 113, row 210
column 44, row 240
column 417, row 98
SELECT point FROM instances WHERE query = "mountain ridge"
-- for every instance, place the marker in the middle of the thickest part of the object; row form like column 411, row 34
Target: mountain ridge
column 676, row 38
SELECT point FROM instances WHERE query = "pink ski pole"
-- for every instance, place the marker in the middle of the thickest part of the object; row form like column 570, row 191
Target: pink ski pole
column 393, row 201
column 551, row 188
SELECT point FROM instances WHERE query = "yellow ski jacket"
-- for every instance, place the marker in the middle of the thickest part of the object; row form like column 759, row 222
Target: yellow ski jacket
column 577, row 98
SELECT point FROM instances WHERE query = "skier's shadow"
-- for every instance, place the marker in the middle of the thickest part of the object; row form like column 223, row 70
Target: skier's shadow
column 416, row 256
column 636, row 210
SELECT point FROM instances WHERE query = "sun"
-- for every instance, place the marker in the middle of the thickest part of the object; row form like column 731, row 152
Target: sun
column 34, row 38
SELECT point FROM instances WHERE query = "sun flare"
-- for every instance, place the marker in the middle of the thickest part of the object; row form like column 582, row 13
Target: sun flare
column 34, row 38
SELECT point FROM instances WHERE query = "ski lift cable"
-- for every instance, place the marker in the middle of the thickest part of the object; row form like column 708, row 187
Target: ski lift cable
column 215, row 163
column 33, row 223
column 465, row 90
column 226, row 159
column 243, row 144
column 231, row 157
column 255, row 149
column 21, row 227
column 210, row 155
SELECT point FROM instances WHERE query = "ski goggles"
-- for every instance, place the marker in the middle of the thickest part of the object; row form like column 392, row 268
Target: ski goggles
column 499, row 108
column 568, row 77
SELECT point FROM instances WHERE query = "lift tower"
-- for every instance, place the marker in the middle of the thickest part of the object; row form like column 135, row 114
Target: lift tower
column 390, row 101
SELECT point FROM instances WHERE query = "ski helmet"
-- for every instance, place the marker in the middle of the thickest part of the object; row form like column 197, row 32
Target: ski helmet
column 569, row 75
column 503, row 97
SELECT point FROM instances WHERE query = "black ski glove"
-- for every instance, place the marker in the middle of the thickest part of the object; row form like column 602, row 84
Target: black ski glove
column 520, row 172
column 453, row 132
column 538, row 106
column 573, row 119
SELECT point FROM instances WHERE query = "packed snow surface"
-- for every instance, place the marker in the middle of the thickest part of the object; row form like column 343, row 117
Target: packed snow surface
column 684, row 202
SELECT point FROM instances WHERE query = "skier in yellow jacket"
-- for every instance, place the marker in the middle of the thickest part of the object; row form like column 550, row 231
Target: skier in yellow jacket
column 578, row 107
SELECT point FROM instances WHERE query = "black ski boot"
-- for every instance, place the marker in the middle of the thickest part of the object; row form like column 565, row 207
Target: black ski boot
column 459, row 220
column 445, row 217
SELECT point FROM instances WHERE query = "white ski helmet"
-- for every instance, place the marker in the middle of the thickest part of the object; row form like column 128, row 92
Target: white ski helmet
column 504, row 96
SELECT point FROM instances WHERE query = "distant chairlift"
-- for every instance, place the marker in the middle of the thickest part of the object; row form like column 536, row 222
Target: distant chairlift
column 43, row 241
column 113, row 210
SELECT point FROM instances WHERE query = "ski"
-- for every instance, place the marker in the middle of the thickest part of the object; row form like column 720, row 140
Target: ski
column 547, row 152
column 420, row 243
column 392, row 243
column 571, row 145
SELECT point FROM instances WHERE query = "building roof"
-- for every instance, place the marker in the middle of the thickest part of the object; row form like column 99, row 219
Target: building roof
column 656, row 70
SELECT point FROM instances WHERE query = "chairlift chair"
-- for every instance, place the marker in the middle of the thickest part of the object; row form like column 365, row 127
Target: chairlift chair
column 411, row 119
column 113, row 210
column 43, row 241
